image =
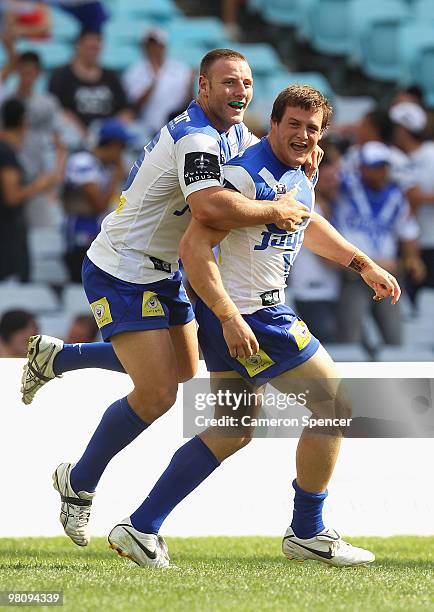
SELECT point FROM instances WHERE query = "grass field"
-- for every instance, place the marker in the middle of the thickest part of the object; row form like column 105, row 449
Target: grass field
column 243, row 574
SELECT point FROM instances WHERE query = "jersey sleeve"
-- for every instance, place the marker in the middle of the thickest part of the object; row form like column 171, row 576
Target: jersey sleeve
column 197, row 158
column 237, row 177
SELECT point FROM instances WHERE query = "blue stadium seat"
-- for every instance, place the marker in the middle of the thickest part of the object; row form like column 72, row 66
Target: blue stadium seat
column 413, row 37
column 326, row 26
column 208, row 31
column 375, row 29
column 162, row 11
column 64, row 26
column 267, row 88
column 119, row 57
column 256, row 6
column 126, row 30
column 347, row 352
column 37, row 297
column 275, row 83
column 284, row 12
column 262, row 58
column 423, row 10
column 424, row 73
column 190, row 55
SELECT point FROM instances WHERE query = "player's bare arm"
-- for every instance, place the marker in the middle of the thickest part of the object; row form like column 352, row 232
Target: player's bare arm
column 323, row 239
column 225, row 209
column 204, row 276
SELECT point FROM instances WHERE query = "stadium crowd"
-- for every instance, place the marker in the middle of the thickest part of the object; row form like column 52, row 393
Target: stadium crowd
column 66, row 147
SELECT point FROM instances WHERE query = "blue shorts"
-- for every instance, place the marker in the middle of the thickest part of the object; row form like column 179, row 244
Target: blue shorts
column 284, row 343
column 119, row 306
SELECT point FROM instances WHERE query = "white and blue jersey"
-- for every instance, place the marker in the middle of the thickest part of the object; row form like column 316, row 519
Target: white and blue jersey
column 254, row 264
column 374, row 221
column 139, row 242
column 255, row 261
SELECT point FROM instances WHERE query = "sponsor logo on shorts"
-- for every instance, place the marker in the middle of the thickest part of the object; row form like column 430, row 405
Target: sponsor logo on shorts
column 151, row 306
column 201, row 167
column 101, row 312
column 256, row 363
column 301, row 333
column 270, row 298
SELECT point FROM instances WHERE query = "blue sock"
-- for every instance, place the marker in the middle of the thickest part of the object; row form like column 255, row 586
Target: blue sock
column 119, row 426
column 190, row 465
column 307, row 516
column 86, row 355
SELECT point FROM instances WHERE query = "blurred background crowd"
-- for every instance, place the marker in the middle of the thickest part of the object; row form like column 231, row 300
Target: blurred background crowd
column 85, row 84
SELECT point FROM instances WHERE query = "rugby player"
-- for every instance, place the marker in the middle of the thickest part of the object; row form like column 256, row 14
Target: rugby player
column 133, row 284
column 254, row 264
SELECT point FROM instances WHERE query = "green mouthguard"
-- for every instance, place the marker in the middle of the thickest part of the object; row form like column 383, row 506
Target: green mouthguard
column 236, row 104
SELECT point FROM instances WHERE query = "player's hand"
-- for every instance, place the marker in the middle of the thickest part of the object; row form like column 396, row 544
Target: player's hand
column 239, row 337
column 382, row 282
column 289, row 212
column 313, row 161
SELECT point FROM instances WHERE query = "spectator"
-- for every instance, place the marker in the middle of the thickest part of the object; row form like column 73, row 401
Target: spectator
column 157, row 86
column 14, row 260
column 43, row 150
column 92, row 179
column 16, row 326
column 83, row 329
column 377, row 126
column 85, row 89
column 410, row 121
column 315, row 284
column 372, row 213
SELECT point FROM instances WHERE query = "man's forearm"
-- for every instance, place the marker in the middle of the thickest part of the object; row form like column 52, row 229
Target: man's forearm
column 323, row 239
column 224, row 209
column 202, row 269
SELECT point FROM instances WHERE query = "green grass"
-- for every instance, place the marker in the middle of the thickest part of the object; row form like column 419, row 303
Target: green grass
column 242, row 574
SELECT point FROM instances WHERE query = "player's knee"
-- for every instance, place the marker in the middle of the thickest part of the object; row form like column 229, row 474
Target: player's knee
column 187, row 372
column 153, row 403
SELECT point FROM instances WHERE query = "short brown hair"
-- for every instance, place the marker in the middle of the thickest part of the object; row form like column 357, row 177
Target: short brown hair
column 305, row 97
column 217, row 54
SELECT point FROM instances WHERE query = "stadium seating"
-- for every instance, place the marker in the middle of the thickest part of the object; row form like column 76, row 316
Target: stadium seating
column 56, row 324
column 347, row 352
column 404, row 353
column 208, row 31
column 159, row 12
column 64, row 26
column 125, row 31
column 46, row 248
column 119, row 56
column 262, row 57
column 74, row 300
column 34, row 297
column 326, row 26
column 284, row 12
column 425, row 304
column 375, row 26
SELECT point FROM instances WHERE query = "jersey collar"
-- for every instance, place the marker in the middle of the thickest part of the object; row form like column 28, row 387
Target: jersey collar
column 276, row 161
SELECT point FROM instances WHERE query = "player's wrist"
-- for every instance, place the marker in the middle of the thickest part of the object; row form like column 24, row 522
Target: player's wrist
column 360, row 263
column 225, row 309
